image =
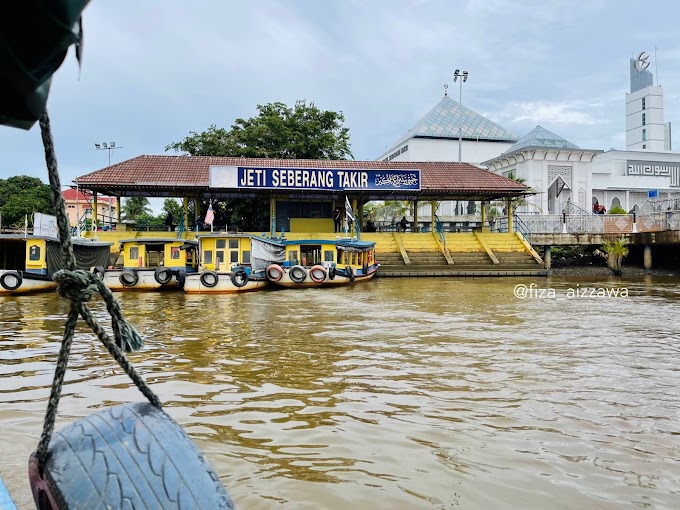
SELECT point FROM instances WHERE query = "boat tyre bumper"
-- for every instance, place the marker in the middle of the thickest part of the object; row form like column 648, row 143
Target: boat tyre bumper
column 239, row 277
column 128, row 456
column 11, row 280
column 297, row 274
column 209, row 279
column 163, row 275
column 128, row 278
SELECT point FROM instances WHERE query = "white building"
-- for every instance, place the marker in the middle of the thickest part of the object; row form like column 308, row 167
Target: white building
column 644, row 177
column 435, row 137
column 645, row 127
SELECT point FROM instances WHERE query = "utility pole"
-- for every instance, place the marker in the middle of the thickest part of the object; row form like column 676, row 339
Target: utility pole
column 463, row 75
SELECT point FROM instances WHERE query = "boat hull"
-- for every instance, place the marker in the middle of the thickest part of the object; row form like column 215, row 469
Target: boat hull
column 308, row 282
column 146, row 280
column 224, row 285
column 29, row 283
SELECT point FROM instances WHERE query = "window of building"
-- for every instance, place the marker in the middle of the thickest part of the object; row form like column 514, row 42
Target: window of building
column 328, row 255
column 221, row 243
column 246, row 257
column 233, row 244
column 174, row 252
column 643, row 119
column 207, row 257
column 643, row 103
column 34, row 253
column 644, row 135
column 644, row 146
column 134, row 253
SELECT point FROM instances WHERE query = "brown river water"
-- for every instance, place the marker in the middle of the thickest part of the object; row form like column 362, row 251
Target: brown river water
column 411, row 393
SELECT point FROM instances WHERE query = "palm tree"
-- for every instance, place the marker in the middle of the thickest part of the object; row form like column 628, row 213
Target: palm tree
column 614, row 253
column 135, row 207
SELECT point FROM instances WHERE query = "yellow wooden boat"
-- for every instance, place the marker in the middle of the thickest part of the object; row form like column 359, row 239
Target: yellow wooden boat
column 320, row 263
column 151, row 264
column 28, row 262
column 226, row 265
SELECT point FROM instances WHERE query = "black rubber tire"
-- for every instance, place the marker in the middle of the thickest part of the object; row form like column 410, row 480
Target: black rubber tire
column 331, row 273
column 350, row 273
column 297, row 274
column 209, row 279
column 163, row 275
column 239, row 277
column 181, row 278
column 128, row 278
column 98, row 271
column 11, row 274
column 125, row 457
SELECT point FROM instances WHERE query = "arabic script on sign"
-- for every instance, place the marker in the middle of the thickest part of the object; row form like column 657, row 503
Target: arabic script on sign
column 396, row 180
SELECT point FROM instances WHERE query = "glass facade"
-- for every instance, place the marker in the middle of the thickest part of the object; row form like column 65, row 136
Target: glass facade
column 541, row 138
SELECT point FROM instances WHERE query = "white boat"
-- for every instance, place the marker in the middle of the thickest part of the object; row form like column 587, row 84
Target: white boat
column 152, row 264
column 225, row 266
column 28, row 262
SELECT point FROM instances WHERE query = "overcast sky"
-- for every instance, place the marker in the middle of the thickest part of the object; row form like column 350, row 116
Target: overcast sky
column 153, row 71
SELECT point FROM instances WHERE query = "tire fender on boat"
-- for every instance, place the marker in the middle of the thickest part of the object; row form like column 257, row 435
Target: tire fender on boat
column 297, row 274
column 128, row 278
column 125, row 445
column 350, row 273
column 318, row 273
column 331, row 273
column 15, row 280
column 163, row 275
column 274, row 272
column 239, row 277
column 209, row 278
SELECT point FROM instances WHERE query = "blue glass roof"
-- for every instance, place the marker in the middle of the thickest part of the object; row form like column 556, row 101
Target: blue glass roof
column 449, row 118
column 541, row 138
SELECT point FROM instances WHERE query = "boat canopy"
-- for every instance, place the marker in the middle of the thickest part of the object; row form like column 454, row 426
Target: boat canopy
column 264, row 252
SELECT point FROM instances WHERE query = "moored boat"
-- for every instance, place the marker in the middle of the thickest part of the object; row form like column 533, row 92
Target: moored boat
column 28, row 262
column 226, row 265
column 152, row 264
column 320, row 263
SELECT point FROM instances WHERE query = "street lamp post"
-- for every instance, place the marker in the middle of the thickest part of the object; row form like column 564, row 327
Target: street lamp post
column 104, row 147
column 463, row 75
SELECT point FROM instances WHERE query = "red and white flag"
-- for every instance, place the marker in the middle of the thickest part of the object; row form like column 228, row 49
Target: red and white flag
column 210, row 215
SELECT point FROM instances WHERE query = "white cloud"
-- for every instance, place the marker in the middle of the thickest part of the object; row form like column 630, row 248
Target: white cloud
column 577, row 113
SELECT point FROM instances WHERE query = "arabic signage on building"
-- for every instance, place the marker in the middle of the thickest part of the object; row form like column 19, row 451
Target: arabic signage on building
column 326, row 179
column 655, row 169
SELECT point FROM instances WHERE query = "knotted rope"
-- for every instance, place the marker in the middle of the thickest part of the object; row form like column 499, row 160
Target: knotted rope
column 78, row 287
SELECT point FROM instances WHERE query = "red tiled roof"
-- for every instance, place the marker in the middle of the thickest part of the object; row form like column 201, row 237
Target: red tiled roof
column 72, row 194
column 184, row 171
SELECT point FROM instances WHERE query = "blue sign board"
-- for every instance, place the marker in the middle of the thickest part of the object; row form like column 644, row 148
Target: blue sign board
column 653, row 193
column 324, row 179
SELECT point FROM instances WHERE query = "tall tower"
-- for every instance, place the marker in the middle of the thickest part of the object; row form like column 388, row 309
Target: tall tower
column 645, row 129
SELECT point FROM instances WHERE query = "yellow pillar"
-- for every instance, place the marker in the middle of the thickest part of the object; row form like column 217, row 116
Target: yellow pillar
column 511, row 226
column 185, row 204
column 414, row 228
column 272, row 215
column 94, row 210
column 118, row 202
column 433, row 205
column 485, row 227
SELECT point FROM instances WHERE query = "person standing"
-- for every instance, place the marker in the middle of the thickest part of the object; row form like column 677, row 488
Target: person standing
column 336, row 219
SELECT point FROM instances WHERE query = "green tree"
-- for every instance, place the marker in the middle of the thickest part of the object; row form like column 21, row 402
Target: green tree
column 277, row 131
column 173, row 208
column 614, row 253
column 135, row 207
column 23, row 195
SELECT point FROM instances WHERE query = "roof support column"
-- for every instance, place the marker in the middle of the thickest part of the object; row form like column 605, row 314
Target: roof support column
column 356, row 215
column 197, row 208
column 272, row 215
column 185, row 206
column 118, row 210
column 511, row 226
column 485, row 227
column 433, row 205
column 414, row 228
column 94, row 211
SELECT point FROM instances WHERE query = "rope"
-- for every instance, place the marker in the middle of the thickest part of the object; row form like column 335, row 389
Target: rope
column 78, row 287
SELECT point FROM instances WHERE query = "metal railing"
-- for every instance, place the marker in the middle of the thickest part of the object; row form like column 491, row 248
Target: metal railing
column 598, row 223
column 439, row 228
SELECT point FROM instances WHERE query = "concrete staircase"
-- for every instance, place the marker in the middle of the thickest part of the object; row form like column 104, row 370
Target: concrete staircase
column 422, row 249
column 510, row 251
column 386, row 248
